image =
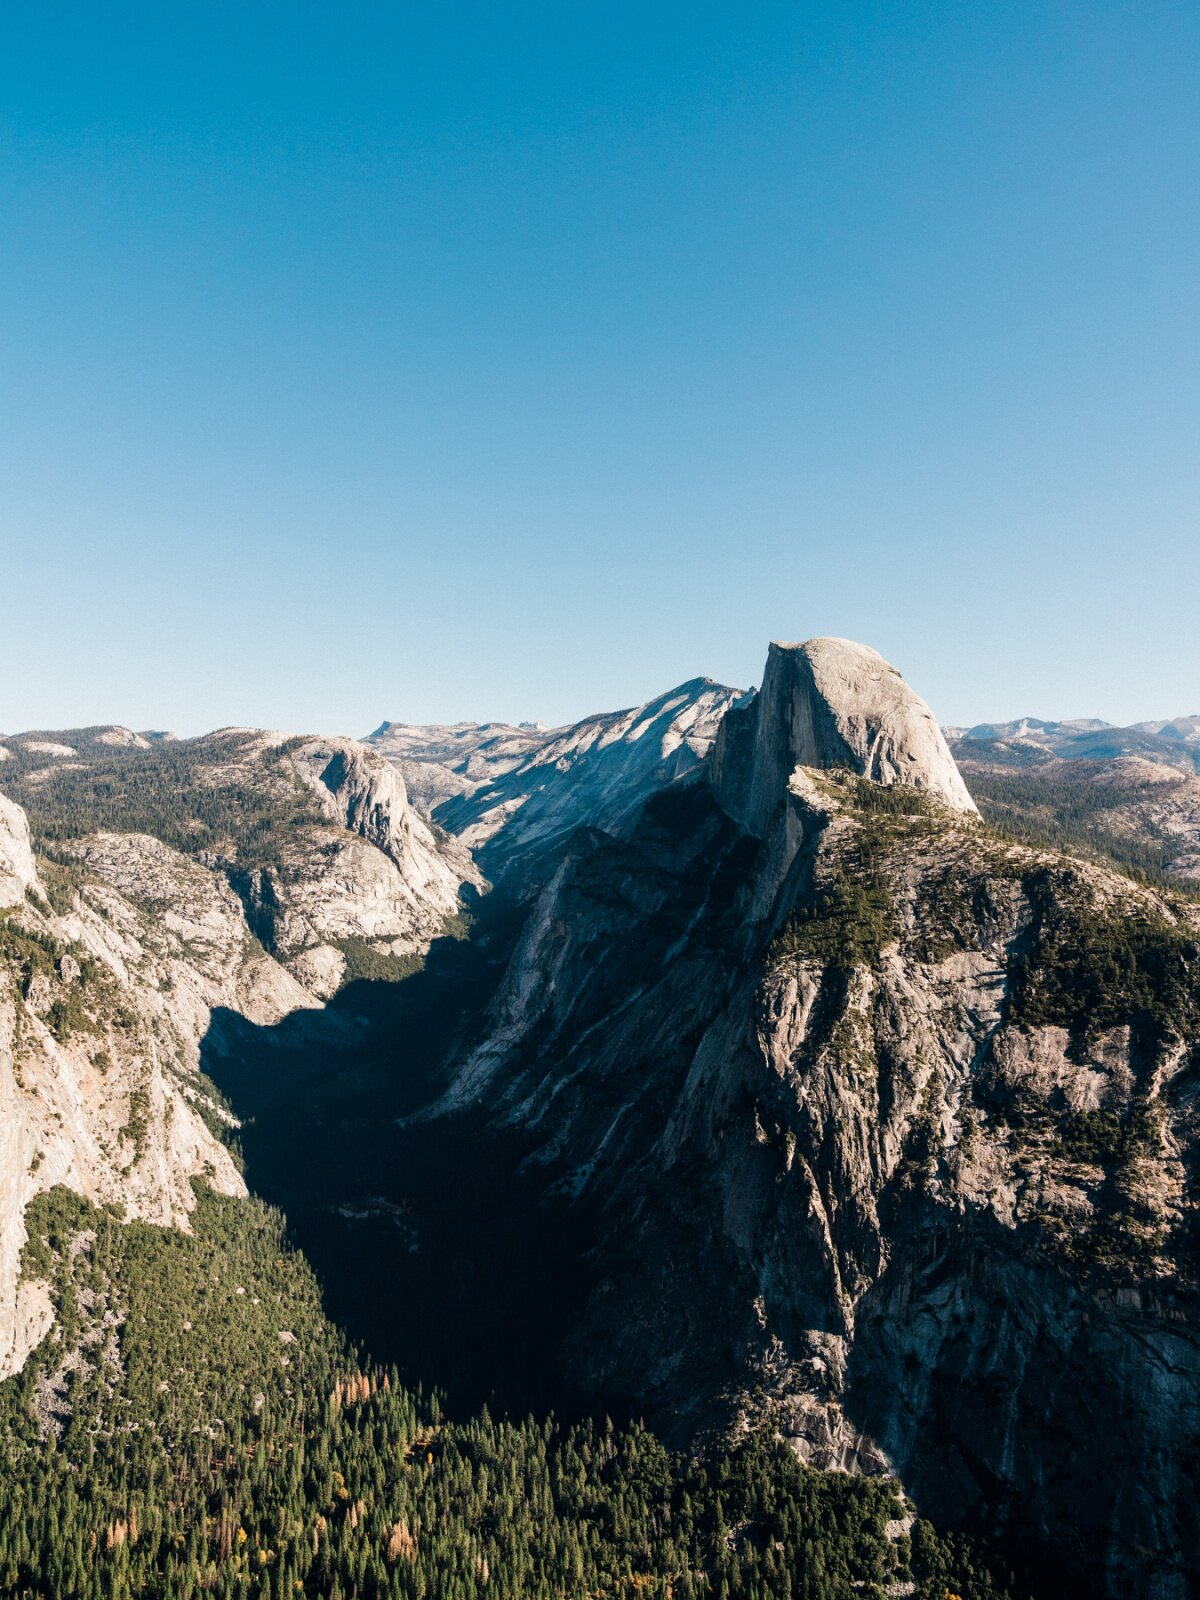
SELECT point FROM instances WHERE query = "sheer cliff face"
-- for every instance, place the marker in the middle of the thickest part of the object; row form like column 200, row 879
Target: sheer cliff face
column 891, row 1147
column 17, row 870
column 829, row 703
column 374, row 874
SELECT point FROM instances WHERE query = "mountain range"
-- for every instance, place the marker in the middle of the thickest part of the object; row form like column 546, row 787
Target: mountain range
column 766, row 1065
column 1175, row 741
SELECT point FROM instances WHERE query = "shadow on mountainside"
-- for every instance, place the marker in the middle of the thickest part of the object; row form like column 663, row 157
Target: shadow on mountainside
column 432, row 1250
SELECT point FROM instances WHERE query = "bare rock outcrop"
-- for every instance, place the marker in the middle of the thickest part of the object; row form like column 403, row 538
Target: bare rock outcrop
column 17, row 869
column 829, row 703
column 367, row 796
column 531, row 788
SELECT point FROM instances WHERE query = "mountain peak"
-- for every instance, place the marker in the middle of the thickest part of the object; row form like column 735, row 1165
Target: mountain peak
column 829, row 703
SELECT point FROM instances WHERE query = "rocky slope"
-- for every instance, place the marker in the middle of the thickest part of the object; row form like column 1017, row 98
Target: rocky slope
column 374, row 875
column 1143, row 815
column 444, row 761
column 508, row 792
column 244, row 872
column 336, row 872
column 1185, row 730
column 891, row 1126
column 18, row 870
column 103, row 1003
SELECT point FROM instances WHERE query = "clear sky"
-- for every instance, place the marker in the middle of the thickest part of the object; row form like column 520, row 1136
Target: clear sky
column 434, row 361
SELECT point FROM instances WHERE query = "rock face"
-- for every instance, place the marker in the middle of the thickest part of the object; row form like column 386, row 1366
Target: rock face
column 375, row 873
column 884, row 1153
column 102, row 1009
column 829, row 703
column 367, row 797
column 509, row 792
column 17, row 870
column 115, row 955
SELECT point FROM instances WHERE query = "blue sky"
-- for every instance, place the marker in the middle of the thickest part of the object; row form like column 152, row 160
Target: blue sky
column 428, row 362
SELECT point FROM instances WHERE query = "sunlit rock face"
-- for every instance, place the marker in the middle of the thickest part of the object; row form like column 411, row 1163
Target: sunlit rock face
column 17, row 871
column 829, row 703
column 510, row 793
column 109, row 990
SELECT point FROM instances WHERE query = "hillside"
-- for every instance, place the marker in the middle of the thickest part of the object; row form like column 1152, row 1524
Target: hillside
column 336, row 873
column 509, row 793
column 890, row 1126
column 1029, row 741
column 774, row 1097
column 1142, row 816
column 162, row 885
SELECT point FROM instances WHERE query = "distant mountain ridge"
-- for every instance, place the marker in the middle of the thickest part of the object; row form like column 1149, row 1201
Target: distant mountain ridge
column 1174, row 741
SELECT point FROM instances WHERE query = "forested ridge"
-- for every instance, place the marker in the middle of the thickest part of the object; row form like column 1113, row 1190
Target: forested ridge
column 1077, row 813
column 197, row 1426
column 226, row 793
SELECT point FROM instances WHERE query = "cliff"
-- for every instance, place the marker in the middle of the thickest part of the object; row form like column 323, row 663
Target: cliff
column 891, row 1125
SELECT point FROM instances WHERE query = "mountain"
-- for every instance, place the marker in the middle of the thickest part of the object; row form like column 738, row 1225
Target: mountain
column 1130, row 796
column 830, row 704
column 335, row 871
column 103, row 1007
column 506, row 791
column 252, row 874
column 890, row 1127
column 714, row 1062
column 1184, row 729
column 1028, row 741
column 440, row 762
column 1144, row 816
column 182, row 1417
column 1033, row 730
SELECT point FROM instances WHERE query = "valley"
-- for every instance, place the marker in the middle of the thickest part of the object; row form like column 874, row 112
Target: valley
column 710, row 1067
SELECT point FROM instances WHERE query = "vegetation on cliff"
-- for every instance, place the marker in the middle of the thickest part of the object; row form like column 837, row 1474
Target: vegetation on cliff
column 1061, row 812
column 1088, row 967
